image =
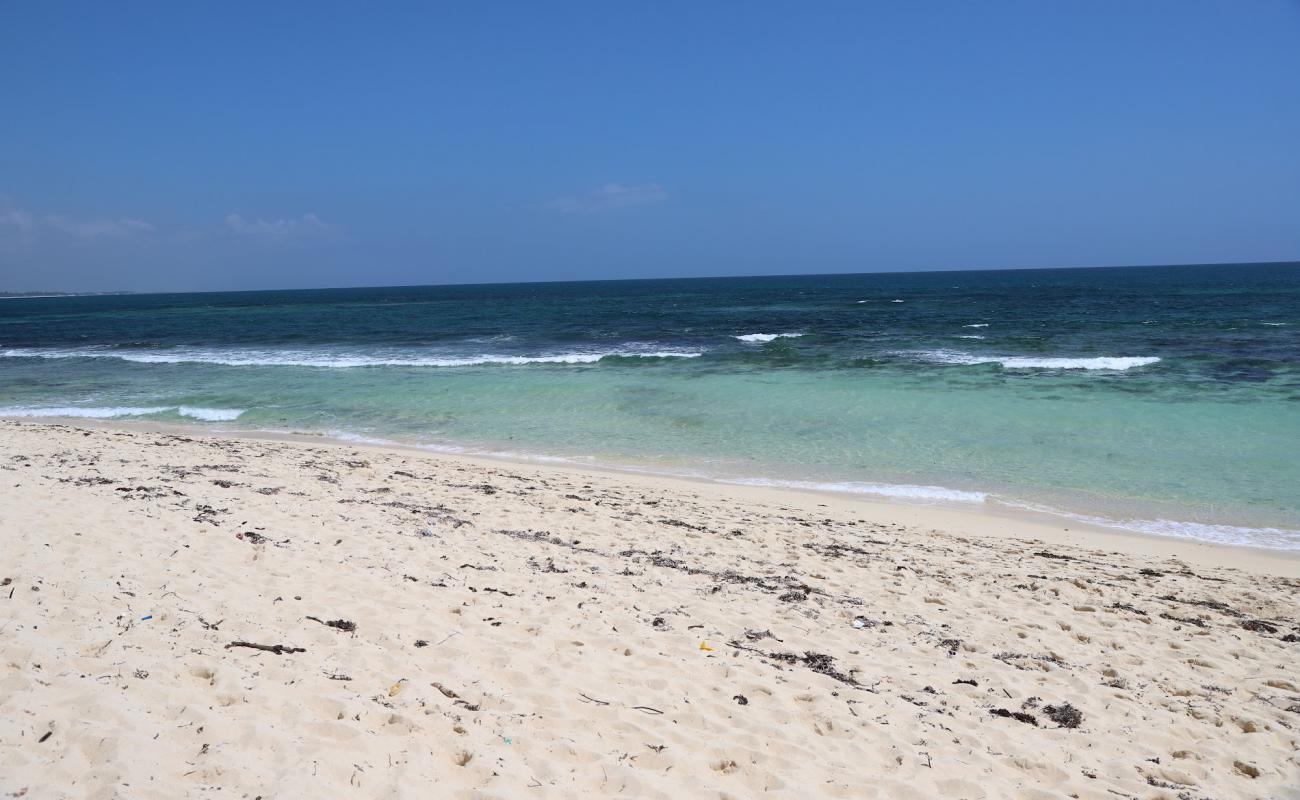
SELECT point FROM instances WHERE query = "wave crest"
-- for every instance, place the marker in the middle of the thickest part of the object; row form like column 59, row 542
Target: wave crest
column 767, row 337
column 338, row 360
column 1029, row 362
column 113, row 412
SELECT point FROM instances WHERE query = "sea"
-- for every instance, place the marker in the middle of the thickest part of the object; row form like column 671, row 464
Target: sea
column 1163, row 400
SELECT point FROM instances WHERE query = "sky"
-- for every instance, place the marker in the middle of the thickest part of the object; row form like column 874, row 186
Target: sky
column 215, row 146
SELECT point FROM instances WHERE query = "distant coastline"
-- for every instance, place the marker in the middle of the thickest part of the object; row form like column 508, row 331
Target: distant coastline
column 23, row 295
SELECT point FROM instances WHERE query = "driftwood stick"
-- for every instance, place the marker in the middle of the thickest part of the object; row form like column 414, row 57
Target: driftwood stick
column 278, row 649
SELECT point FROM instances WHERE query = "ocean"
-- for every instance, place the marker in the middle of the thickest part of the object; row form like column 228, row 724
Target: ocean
column 1162, row 400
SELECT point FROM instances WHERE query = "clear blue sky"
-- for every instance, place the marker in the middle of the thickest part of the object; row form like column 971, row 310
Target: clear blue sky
column 249, row 145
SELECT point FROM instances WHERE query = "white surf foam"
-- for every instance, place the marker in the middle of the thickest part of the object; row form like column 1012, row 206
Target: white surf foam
column 767, row 337
column 898, row 491
column 102, row 412
column 210, row 414
column 969, row 336
column 977, row 325
column 336, row 360
column 1027, row 362
column 359, row 438
column 113, row 412
column 1267, row 538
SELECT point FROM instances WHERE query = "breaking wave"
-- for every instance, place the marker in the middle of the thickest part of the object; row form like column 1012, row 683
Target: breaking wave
column 1030, row 362
column 114, row 412
column 338, row 359
column 767, row 337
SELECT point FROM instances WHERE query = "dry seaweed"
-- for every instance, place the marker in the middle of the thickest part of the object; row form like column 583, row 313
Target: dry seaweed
column 1065, row 715
column 347, row 626
column 1019, row 716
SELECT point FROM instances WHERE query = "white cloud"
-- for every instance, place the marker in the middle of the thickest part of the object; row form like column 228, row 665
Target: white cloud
column 27, row 225
column 306, row 224
column 610, row 196
column 89, row 229
column 17, row 218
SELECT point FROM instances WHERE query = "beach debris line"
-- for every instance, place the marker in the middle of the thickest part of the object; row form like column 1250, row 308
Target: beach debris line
column 817, row 662
column 278, row 649
column 1259, row 626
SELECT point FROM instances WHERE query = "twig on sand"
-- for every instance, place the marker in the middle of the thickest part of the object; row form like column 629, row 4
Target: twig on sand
column 593, row 700
column 278, row 649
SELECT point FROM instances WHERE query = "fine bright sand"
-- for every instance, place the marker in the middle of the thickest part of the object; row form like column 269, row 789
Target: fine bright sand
column 448, row 627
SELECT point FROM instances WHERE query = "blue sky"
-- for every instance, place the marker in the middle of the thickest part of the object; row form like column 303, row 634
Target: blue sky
column 179, row 146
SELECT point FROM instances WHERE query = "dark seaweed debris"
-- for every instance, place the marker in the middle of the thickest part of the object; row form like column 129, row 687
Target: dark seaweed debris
column 1019, row 716
column 1065, row 715
column 1259, row 626
column 1128, row 607
column 1185, row 620
column 1057, row 556
column 817, row 662
column 347, row 626
column 1222, row 608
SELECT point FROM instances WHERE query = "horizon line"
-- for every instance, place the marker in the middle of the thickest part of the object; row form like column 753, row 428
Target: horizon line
column 50, row 294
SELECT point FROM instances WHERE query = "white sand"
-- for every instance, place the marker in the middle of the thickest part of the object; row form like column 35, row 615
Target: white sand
column 525, row 631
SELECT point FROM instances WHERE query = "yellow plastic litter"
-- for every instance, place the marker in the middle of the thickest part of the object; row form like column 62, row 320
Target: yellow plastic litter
column 705, row 646
column 395, row 688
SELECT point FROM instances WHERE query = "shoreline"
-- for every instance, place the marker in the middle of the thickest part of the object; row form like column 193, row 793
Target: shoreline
column 996, row 520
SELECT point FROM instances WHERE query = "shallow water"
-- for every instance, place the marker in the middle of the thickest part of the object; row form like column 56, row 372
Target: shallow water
column 1163, row 399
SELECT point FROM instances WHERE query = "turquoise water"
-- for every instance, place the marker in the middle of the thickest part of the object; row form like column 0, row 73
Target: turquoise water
column 1159, row 399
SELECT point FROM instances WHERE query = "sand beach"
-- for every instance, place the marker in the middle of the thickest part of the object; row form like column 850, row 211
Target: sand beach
column 188, row 614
